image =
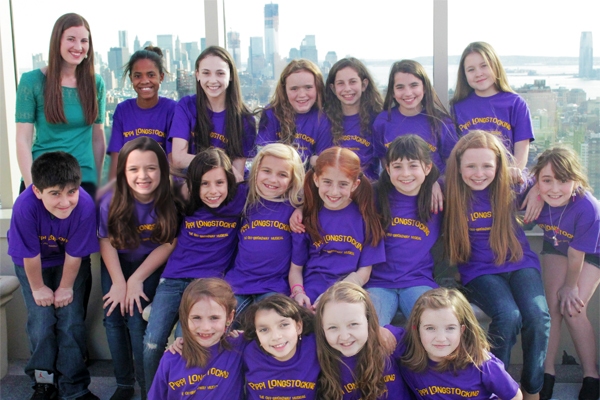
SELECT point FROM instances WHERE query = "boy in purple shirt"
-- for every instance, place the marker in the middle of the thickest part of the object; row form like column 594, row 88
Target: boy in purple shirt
column 51, row 235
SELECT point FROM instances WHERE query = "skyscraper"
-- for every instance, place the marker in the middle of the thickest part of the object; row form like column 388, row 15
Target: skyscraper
column 117, row 57
column 233, row 44
column 136, row 44
column 308, row 49
column 165, row 42
column 271, row 36
column 586, row 56
column 256, row 57
column 123, row 40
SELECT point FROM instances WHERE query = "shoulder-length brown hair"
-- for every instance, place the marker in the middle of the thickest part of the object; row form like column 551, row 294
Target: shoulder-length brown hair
column 280, row 104
column 372, row 358
column 207, row 288
column 565, row 165
column 122, row 220
column 473, row 348
column 503, row 237
column 371, row 102
column 86, row 77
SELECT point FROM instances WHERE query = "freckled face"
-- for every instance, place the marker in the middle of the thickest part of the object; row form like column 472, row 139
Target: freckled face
column 478, row 168
column 301, row 91
column 335, row 188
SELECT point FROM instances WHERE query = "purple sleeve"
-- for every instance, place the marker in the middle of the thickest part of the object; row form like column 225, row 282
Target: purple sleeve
column 116, row 134
column 103, row 207
column 521, row 122
column 448, row 140
column 497, row 380
column 184, row 119
column 586, row 237
column 371, row 255
column 83, row 240
column 300, row 243
column 378, row 133
column 324, row 140
column 249, row 138
column 267, row 128
column 23, row 238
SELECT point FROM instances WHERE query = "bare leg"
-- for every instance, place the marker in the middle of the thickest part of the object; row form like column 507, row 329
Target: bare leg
column 554, row 271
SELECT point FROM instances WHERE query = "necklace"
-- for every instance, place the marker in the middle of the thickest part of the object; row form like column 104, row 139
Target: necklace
column 556, row 229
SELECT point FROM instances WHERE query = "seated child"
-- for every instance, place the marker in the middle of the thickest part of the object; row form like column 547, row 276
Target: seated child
column 52, row 233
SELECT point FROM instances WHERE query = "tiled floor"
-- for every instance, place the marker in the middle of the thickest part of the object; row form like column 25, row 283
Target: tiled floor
column 16, row 386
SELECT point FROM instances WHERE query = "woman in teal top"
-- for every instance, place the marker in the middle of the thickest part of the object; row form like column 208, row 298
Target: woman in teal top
column 65, row 103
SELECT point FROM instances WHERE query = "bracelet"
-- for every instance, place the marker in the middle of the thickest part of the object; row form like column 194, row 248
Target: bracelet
column 293, row 295
column 294, row 286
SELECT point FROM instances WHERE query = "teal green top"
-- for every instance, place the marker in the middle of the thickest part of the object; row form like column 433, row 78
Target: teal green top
column 74, row 137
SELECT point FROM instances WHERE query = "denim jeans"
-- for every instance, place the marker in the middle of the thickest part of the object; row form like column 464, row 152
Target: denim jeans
column 125, row 333
column 388, row 301
column 516, row 303
column 57, row 335
column 164, row 315
column 244, row 301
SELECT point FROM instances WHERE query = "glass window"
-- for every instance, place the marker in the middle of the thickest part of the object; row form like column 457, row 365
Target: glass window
column 546, row 51
column 266, row 35
column 119, row 28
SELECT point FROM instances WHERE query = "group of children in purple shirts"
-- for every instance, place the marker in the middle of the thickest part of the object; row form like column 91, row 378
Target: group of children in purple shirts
column 310, row 264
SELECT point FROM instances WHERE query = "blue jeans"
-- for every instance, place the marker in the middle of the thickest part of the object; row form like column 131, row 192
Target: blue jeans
column 125, row 333
column 516, row 303
column 164, row 315
column 57, row 335
column 388, row 301
column 244, row 301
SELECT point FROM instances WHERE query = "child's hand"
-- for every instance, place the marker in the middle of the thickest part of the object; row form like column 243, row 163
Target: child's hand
column 569, row 299
column 176, row 347
column 303, row 300
column 389, row 341
column 135, row 292
column 516, row 176
column 115, row 297
column 43, row 296
column 63, row 296
column 533, row 204
column 235, row 333
column 296, row 221
column 437, row 198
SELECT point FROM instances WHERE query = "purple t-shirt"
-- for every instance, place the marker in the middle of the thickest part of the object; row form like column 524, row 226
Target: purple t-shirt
column 408, row 242
column 296, row 378
column 184, row 121
column 396, row 388
column 503, row 112
column 490, row 381
column 313, row 132
column 579, row 225
column 33, row 230
column 343, row 249
column 386, row 128
column 480, row 220
column 361, row 144
column 146, row 216
column 264, row 252
column 130, row 121
column 220, row 379
column 207, row 240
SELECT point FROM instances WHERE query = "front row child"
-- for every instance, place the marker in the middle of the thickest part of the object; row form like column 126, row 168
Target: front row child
column 210, row 366
column 446, row 352
column 343, row 237
column 570, row 220
column 52, row 233
column 355, row 364
column 283, row 350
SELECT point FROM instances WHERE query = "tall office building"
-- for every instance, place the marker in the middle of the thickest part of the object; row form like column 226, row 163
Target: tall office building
column 123, row 40
column 165, row 42
column 256, row 57
column 271, row 37
column 117, row 57
column 136, row 44
column 308, row 49
column 233, row 44
column 177, row 54
column 586, row 56
column 202, row 44
column 192, row 49
column 37, row 60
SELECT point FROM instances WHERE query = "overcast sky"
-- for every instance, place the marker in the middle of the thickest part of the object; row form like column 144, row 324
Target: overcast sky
column 403, row 29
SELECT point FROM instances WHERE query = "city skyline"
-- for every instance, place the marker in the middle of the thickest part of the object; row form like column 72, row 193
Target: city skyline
column 352, row 32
